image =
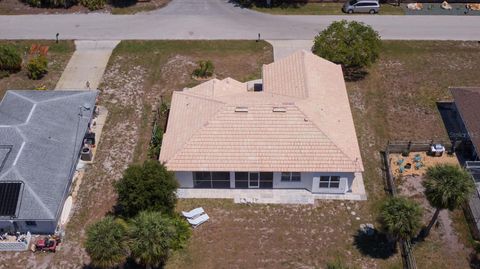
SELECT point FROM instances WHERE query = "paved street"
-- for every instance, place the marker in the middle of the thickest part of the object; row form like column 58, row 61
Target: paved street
column 219, row 19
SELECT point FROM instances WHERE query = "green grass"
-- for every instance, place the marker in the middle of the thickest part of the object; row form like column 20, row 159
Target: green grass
column 322, row 9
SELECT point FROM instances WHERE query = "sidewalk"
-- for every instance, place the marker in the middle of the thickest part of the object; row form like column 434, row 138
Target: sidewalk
column 88, row 63
column 283, row 48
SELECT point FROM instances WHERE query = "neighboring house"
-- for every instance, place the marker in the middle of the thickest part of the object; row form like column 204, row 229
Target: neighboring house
column 296, row 132
column 467, row 116
column 41, row 134
column 467, row 101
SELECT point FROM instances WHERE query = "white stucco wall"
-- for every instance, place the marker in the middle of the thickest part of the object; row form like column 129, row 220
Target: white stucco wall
column 309, row 181
column 42, row 227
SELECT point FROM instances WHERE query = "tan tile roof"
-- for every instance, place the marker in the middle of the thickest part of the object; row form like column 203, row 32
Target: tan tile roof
column 220, row 126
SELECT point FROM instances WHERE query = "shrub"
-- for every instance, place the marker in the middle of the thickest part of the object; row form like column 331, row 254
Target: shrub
column 37, row 67
column 51, row 3
column 93, row 4
column 106, row 243
column 205, row 69
column 146, row 187
column 10, row 60
column 353, row 44
column 154, row 235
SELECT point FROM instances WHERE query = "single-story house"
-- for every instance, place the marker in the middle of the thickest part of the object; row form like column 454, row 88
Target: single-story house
column 466, row 101
column 467, row 116
column 41, row 134
column 296, row 131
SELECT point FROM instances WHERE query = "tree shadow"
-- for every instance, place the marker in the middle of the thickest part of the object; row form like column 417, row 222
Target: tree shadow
column 376, row 245
column 273, row 3
column 354, row 74
column 122, row 3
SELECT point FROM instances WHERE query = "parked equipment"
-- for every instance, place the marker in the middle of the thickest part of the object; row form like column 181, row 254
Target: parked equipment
column 46, row 245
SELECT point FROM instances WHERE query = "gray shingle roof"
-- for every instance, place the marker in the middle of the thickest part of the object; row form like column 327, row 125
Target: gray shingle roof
column 45, row 130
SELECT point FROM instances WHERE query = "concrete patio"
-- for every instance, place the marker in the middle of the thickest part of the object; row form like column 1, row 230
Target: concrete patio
column 265, row 196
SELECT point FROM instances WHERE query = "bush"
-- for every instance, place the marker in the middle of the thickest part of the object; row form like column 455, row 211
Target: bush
column 106, row 243
column 37, row 67
column 93, row 4
column 51, row 3
column 153, row 236
column 353, row 44
column 10, row 60
column 146, row 187
column 204, row 70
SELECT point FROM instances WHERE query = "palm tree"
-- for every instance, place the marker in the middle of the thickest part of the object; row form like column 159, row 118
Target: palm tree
column 106, row 243
column 446, row 187
column 152, row 236
column 401, row 218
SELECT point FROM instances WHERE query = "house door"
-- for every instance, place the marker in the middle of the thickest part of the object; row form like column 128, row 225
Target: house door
column 253, row 180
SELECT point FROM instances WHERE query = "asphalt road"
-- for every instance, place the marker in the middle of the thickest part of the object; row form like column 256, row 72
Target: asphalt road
column 219, row 19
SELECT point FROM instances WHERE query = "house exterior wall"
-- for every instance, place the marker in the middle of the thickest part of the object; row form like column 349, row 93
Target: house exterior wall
column 41, row 227
column 309, row 181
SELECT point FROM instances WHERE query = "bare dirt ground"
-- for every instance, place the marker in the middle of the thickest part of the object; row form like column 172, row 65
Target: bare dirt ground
column 397, row 101
column 277, row 236
column 443, row 235
column 17, row 7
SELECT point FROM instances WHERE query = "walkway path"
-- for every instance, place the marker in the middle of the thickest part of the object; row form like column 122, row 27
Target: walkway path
column 283, row 48
column 219, row 19
column 88, row 63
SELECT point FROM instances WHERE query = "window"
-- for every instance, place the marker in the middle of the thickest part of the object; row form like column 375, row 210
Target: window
column 332, row 182
column 31, row 223
column 291, row 176
column 216, row 180
column 245, row 180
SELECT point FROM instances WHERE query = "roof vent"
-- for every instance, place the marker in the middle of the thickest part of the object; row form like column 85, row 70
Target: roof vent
column 241, row 109
column 279, row 109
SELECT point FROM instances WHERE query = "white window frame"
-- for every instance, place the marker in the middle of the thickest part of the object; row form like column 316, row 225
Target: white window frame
column 290, row 177
column 336, row 181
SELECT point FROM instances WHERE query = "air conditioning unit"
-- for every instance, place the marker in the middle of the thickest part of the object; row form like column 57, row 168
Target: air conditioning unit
column 86, row 154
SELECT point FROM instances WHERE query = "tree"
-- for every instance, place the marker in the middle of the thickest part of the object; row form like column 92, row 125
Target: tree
column 106, row 243
column 446, row 187
column 401, row 218
column 153, row 235
column 146, row 187
column 10, row 60
column 353, row 44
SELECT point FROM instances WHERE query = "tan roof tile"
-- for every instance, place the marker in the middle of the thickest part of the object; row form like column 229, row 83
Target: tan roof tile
column 300, row 122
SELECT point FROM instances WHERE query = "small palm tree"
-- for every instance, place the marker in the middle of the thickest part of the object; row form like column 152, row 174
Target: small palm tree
column 152, row 236
column 446, row 187
column 401, row 218
column 106, row 243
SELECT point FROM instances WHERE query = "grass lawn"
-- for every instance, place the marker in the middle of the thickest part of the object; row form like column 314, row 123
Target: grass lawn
column 140, row 6
column 322, row 9
column 58, row 57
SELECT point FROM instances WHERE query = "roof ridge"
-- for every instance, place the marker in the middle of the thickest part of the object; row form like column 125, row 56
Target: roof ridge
column 305, row 73
column 193, row 134
column 203, row 97
column 320, row 130
column 21, row 96
column 33, row 193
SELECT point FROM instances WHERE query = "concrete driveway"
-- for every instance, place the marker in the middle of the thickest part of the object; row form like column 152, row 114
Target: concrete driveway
column 219, row 19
